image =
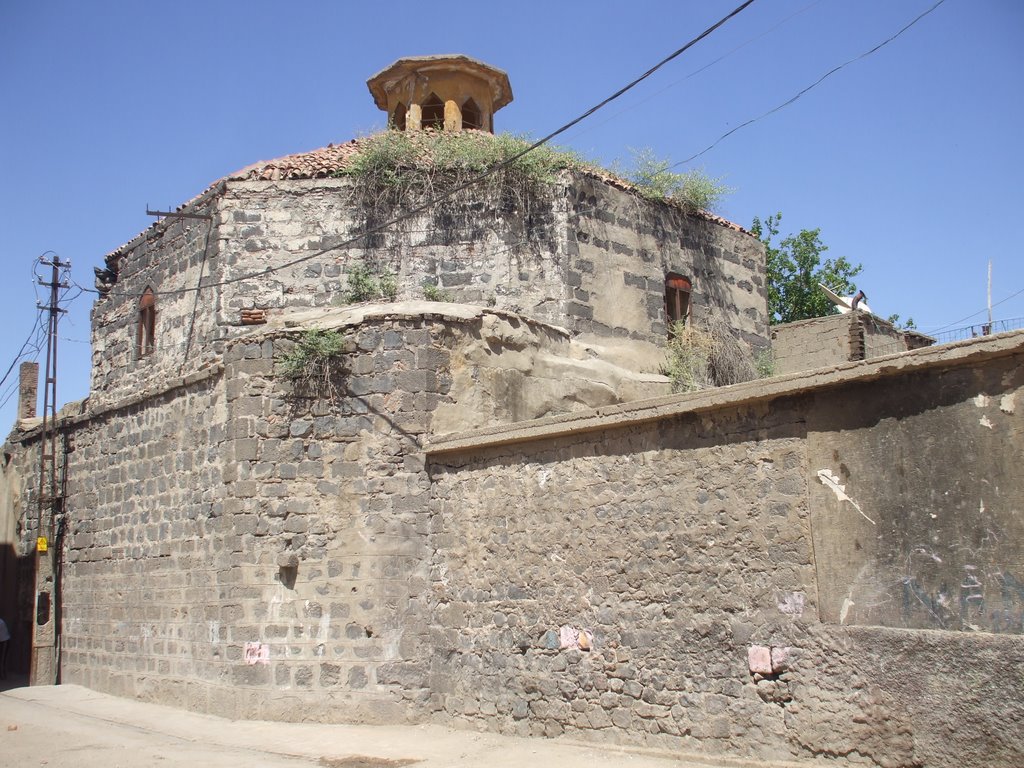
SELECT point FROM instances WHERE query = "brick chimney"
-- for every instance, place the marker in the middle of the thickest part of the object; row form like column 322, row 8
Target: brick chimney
column 28, row 390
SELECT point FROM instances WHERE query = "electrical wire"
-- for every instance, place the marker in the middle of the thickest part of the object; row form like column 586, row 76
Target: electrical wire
column 21, row 352
column 33, row 348
column 479, row 177
column 975, row 314
column 472, row 223
column 696, row 72
column 786, row 103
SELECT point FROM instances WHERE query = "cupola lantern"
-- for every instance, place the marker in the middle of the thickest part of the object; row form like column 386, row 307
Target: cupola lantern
column 448, row 93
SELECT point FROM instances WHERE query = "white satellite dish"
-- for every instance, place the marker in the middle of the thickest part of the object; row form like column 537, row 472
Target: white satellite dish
column 844, row 303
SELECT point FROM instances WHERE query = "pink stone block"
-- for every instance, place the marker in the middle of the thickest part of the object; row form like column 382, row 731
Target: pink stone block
column 780, row 659
column 759, row 658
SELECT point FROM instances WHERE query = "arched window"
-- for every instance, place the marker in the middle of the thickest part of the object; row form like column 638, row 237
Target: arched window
column 145, row 335
column 677, row 300
column 398, row 117
column 471, row 117
column 432, row 113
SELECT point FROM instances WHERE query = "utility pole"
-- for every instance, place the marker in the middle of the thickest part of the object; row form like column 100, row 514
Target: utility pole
column 45, row 647
column 988, row 328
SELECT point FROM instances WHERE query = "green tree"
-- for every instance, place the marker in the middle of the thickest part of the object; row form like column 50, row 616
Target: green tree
column 907, row 326
column 794, row 269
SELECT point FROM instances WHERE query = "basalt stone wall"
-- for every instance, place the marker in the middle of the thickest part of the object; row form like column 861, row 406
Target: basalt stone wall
column 623, row 246
column 242, row 548
column 241, row 544
column 145, row 544
column 493, row 245
column 686, row 578
column 576, row 252
column 19, row 516
column 248, row 544
column 169, row 258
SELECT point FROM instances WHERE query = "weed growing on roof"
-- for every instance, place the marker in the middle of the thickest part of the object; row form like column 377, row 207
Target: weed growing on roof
column 382, row 158
column 705, row 355
column 693, row 190
column 391, row 157
column 400, row 169
column 398, row 163
column 366, row 283
column 312, row 362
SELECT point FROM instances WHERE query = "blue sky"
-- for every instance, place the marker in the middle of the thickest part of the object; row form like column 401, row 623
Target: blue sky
column 908, row 160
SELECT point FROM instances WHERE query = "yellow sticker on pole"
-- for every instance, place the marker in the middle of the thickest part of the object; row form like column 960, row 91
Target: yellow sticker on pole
column 41, row 544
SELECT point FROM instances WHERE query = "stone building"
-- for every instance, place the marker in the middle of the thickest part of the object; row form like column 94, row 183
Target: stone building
column 489, row 511
column 840, row 338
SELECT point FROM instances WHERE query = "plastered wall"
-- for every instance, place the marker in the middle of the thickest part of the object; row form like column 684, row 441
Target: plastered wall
column 715, row 573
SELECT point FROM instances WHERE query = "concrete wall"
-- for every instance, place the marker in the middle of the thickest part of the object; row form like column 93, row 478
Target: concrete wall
column 931, row 460
column 717, row 572
column 825, row 341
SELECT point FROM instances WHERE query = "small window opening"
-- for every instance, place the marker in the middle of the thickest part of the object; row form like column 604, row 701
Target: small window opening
column 398, row 117
column 471, row 115
column 432, row 113
column 145, row 336
column 677, row 300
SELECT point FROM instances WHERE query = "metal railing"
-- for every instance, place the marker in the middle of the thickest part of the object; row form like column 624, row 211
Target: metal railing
column 948, row 337
column 982, row 329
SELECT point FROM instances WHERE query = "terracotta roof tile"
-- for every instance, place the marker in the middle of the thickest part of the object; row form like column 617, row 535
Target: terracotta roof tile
column 317, row 164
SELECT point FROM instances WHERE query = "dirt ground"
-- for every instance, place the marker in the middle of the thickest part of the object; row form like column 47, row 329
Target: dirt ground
column 69, row 726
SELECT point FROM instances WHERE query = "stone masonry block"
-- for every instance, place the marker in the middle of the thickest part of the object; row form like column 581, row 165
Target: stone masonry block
column 759, row 659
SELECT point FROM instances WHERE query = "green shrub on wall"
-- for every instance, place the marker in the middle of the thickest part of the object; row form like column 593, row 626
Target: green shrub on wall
column 693, row 190
column 313, row 363
column 366, row 283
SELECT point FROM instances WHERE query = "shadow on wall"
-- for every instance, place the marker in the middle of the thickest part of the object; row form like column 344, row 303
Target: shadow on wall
column 17, row 581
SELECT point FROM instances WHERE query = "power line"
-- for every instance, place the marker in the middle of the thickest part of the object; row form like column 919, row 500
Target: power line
column 506, row 248
column 975, row 314
column 695, row 72
column 784, row 104
column 481, row 176
column 21, row 352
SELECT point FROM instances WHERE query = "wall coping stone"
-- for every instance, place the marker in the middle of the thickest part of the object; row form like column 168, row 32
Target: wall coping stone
column 358, row 314
column 959, row 354
column 27, row 429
